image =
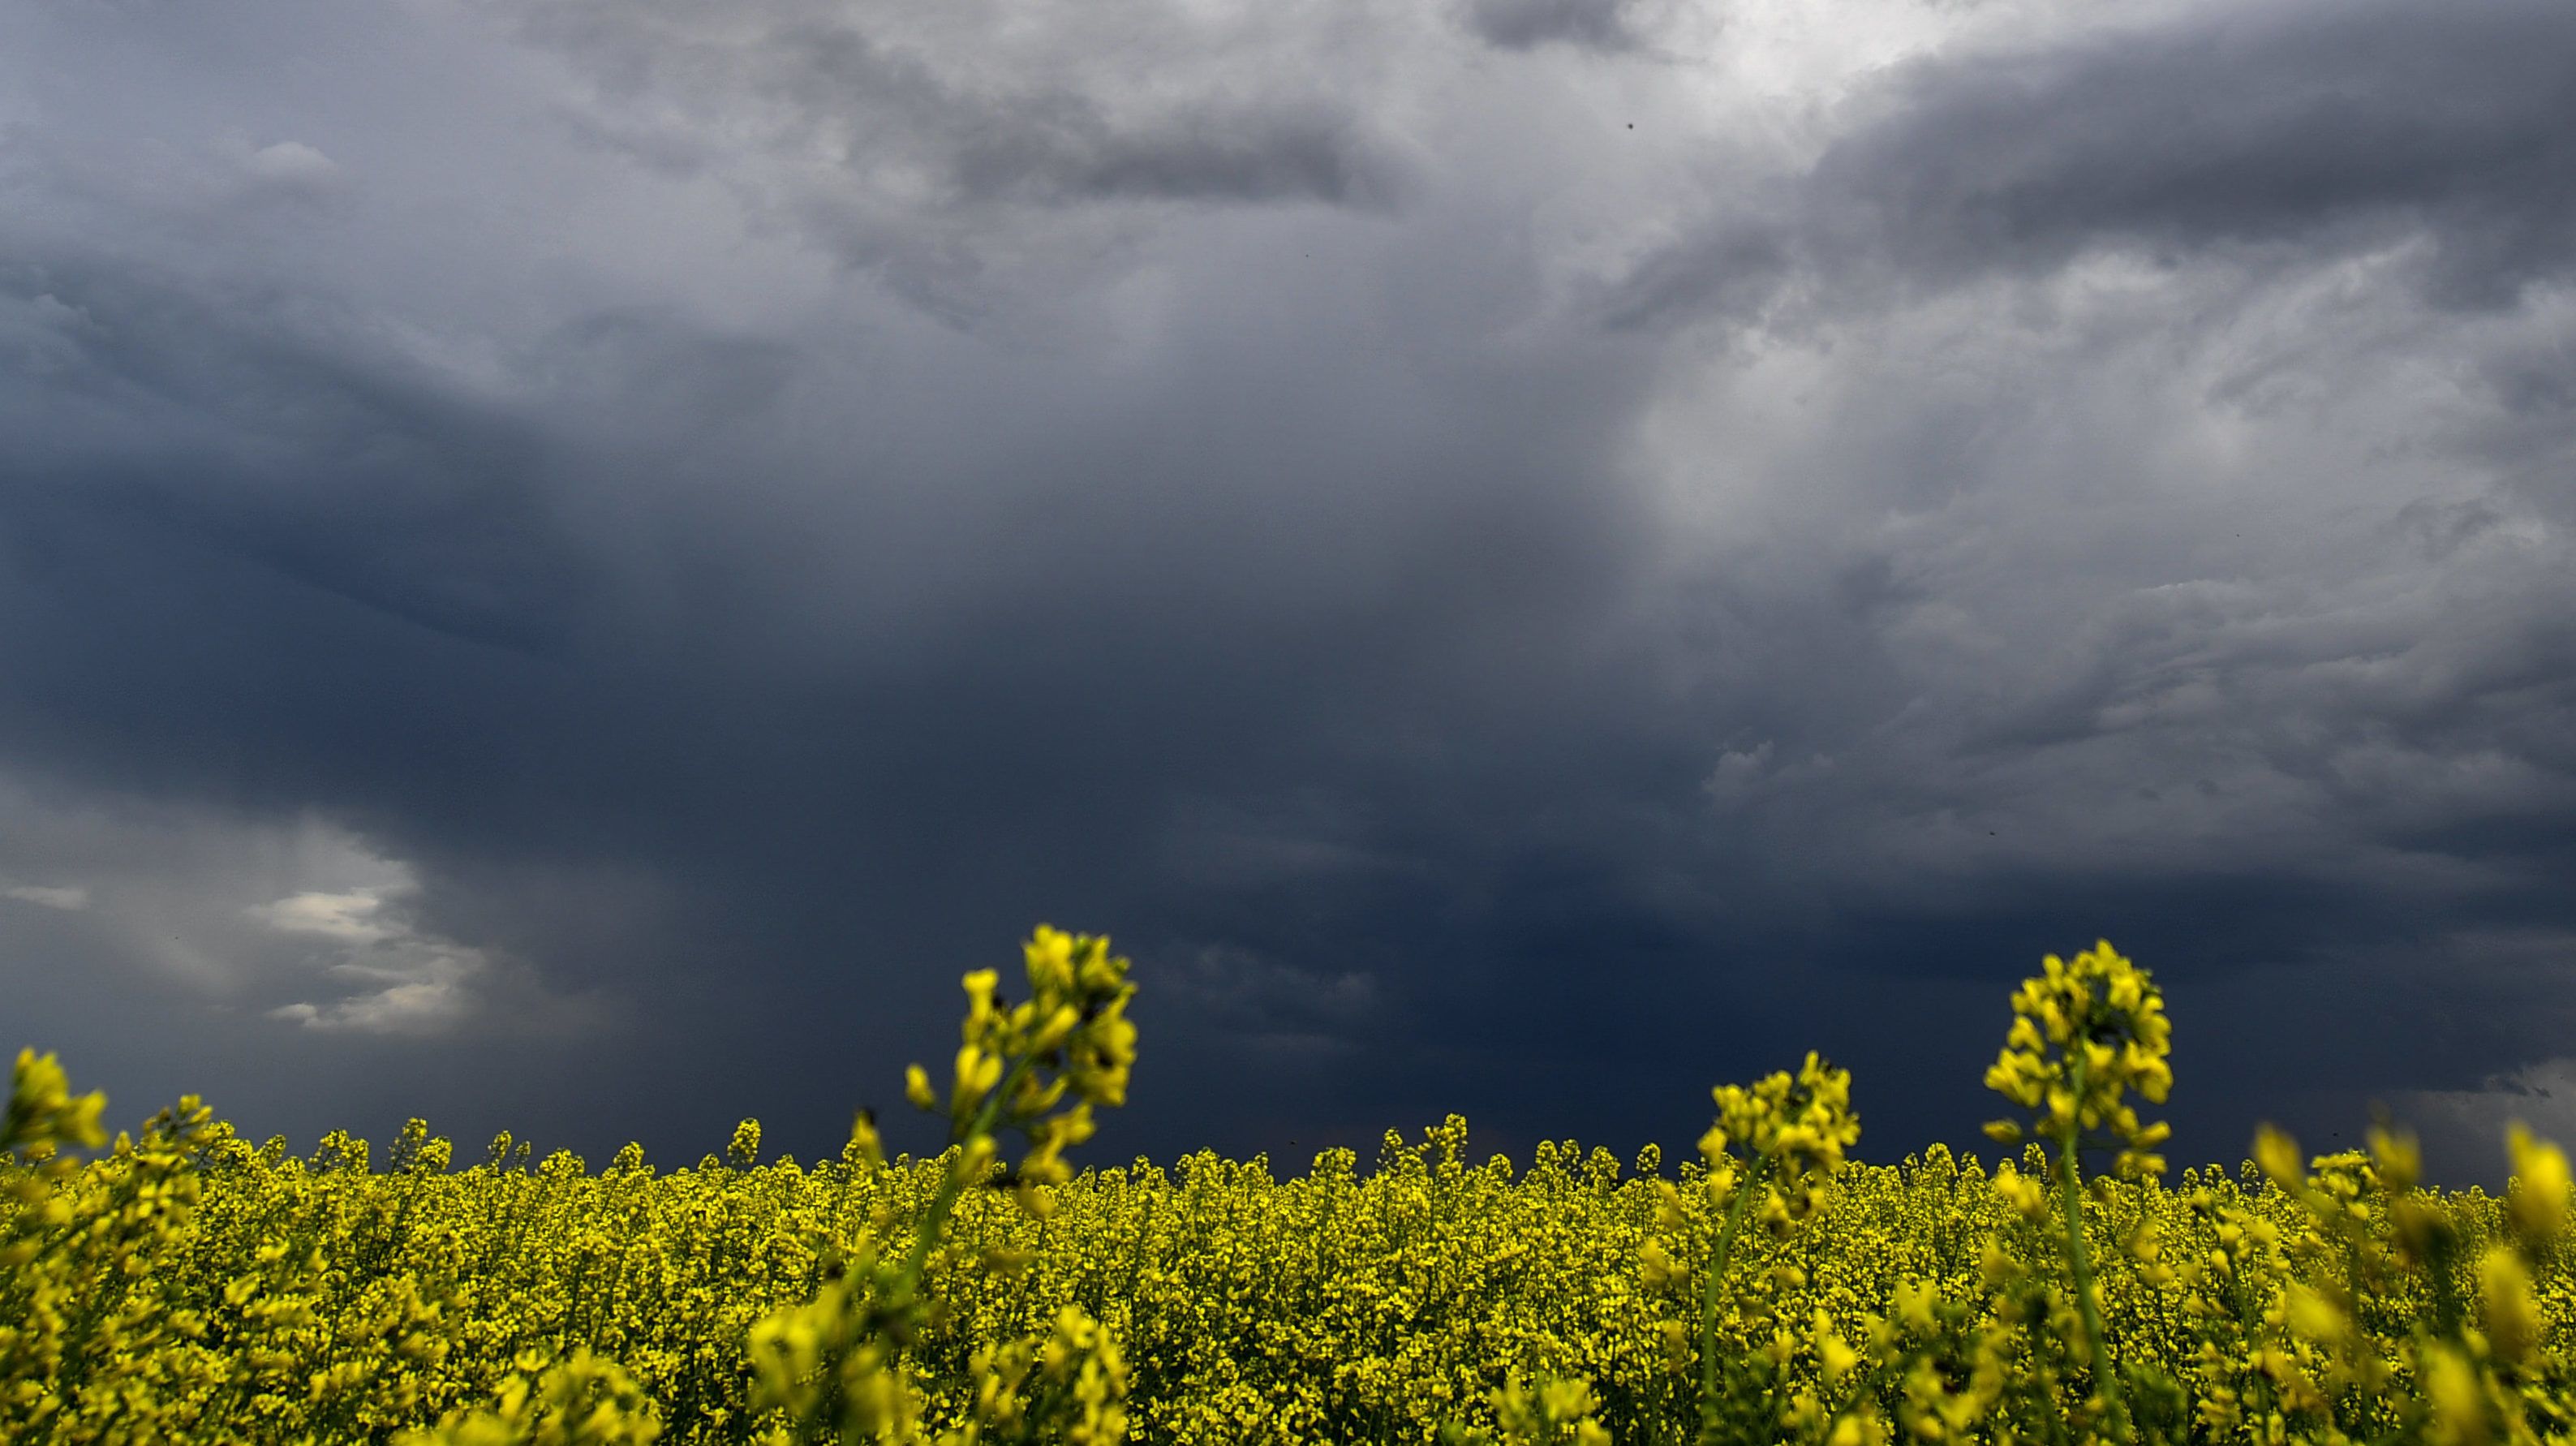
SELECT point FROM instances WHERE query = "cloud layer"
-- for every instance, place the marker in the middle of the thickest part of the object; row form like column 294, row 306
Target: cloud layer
column 571, row 566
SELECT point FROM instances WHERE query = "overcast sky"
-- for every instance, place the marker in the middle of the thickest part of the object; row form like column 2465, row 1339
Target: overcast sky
column 572, row 564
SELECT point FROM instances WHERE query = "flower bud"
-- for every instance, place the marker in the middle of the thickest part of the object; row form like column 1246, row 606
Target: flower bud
column 2513, row 1320
column 2540, row 1186
column 2278, row 1155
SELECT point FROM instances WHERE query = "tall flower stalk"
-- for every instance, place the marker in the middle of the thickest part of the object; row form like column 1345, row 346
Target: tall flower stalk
column 2085, row 1036
column 1771, row 1158
column 835, row 1367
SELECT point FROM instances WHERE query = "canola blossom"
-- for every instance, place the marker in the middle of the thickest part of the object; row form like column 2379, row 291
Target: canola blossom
column 180, row 1284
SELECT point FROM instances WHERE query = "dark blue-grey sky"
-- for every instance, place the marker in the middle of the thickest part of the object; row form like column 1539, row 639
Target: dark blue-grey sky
column 573, row 564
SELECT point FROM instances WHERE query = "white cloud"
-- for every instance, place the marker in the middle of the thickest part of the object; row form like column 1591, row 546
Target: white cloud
column 338, row 916
column 52, row 898
column 399, row 980
column 299, row 921
column 1738, row 771
column 292, row 165
column 408, row 1005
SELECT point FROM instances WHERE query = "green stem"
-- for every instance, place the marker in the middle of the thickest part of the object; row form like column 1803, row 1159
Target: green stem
column 1709, row 1288
column 2079, row 1258
column 897, row 1292
column 935, row 1219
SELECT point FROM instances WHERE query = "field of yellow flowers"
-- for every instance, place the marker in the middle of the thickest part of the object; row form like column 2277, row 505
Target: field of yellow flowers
column 182, row 1285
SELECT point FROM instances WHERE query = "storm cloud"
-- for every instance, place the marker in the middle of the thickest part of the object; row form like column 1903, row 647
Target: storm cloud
column 571, row 566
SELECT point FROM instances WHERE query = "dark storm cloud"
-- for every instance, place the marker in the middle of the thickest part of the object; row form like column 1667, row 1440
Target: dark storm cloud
column 507, row 624
column 2272, row 134
column 951, row 709
column 211, row 423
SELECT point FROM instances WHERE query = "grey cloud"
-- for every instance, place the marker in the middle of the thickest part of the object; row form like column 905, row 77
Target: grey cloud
column 2279, row 135
column 1200, row 158
column 1600, row 25
column 2277, row 717
column 900, row 148
column 2467, row 1124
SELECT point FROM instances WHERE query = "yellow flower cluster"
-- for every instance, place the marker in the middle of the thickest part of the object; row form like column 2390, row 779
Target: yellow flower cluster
column 1795, row 1131
column 183, row 1285
column 2083, row 1036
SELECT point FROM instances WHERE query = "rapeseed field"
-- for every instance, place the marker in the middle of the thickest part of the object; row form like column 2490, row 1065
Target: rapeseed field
column 180, row 1284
